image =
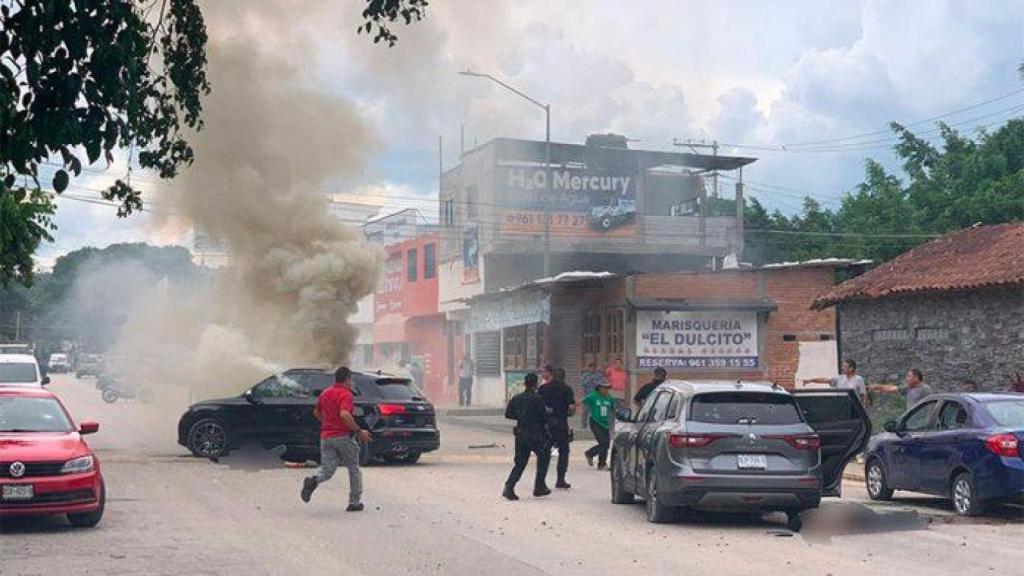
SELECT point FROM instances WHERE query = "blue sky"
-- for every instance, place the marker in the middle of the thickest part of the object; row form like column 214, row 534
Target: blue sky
column 743, row 72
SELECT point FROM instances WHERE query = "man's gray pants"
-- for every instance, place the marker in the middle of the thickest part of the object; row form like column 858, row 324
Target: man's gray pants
column 341, row 451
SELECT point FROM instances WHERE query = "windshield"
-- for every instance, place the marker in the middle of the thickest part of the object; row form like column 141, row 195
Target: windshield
column 1008, row 413
column 31, row 414
column 744, row 408
column 17, row 372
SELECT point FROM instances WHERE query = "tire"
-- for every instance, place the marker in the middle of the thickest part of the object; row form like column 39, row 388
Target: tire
column 209, row 438
column 90, row 519
column 657, row 512
column 109, row 395
column 965, row 496
column 606, row 223
column 876, row 482
column 793, row 521
column 407, row 458
column 146, row 395
column 619, row 493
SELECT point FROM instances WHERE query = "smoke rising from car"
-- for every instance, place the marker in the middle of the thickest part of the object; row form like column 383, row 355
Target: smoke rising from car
column 270, row 146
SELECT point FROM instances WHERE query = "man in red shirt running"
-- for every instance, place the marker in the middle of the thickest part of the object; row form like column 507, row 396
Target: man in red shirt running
column 339, row 433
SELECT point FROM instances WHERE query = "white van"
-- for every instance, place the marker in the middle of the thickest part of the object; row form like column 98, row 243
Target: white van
column 21, row 370
column 59, row 363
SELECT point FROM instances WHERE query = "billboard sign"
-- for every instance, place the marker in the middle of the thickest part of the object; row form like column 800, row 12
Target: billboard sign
column 575, row 200
column 697, row 339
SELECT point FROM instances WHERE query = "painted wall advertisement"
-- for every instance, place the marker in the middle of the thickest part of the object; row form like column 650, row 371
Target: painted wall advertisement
column 576, row 201
column 697, row 339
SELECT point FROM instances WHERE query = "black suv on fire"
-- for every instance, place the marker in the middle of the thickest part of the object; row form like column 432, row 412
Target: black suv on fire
column 278, row 411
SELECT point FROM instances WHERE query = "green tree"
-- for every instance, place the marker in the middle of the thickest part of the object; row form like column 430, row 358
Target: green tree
column 79, row 78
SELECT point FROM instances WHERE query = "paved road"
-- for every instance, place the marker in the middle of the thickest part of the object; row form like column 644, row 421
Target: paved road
column 172, row 514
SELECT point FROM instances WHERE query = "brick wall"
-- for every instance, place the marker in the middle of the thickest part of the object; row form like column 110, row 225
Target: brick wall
column 984, row 337
column 792, row 291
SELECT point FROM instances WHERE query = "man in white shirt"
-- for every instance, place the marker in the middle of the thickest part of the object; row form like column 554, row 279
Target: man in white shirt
column 848, row 380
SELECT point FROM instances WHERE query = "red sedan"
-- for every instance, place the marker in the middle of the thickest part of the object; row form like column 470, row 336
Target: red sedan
column 45, row 465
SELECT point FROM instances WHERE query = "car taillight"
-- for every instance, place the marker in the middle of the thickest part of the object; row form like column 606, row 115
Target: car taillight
column 692, row 440
column 800, row 442
column 391, row 409
column 1003, row 445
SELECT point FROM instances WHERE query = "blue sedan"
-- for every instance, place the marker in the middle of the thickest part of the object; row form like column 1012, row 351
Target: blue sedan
column 966, row 447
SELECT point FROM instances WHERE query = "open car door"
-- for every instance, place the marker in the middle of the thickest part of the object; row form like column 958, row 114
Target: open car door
column 843, row 426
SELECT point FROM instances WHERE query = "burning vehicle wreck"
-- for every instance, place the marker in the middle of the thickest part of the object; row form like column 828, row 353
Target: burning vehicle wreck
column 278, row 411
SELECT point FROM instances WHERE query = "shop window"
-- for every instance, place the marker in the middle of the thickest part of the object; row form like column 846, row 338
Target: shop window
column 592, row 334
column 429, row 261
column 890, row 335
column 487, row 346
column 614, row 325
column 515, row 348
column 448, row 212
column 411, row 264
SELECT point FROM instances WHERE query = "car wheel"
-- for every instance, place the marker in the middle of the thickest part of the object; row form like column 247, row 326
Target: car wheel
column 407, row 458
column 208, row 438
column 619, row 493
column 146, row 395
column 874, row 478
column 657, row 512
column 793, row 521
column 606, row 222
column 965, row 496
column 90, row 519
column 109, row 396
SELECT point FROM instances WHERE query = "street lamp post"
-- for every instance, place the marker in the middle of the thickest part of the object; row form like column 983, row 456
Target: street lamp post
column 547, row 157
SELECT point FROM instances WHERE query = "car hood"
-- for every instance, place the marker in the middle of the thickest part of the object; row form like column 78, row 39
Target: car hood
column 41, row 446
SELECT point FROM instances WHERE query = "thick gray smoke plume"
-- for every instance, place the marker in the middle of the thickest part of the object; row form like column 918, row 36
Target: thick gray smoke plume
column 270, row 145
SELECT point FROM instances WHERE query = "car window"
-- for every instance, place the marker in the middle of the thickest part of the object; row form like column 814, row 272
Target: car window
column 763, row 408
column 673, row 408
column 313, row 381
column 952, row 416
column 280, row 386
column 660, row 409
column 17, row 372
column 918, row 419
column 1008, row 413
column 645, row 410
column 387, row 388
column 32, row 414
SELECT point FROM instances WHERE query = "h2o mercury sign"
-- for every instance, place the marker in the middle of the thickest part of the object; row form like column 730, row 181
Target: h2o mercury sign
column 697, row 339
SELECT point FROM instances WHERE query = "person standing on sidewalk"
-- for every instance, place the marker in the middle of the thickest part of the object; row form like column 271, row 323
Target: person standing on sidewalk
column 617, row 375
column 340, row 436
column 528, row 410
column 466, row 380
column 646, row 389
column 913, row 392
column 561, row 404
column 599, row 408
column 848, row 380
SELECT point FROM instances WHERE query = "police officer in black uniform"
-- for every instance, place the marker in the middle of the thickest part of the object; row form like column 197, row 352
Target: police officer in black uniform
column 561, row 404
column 530, row 414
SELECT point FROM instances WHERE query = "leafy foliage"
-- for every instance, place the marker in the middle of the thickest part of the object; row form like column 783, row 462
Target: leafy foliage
column 963, row 182
column 25, row 221
column 78, row 79
column 378, row 14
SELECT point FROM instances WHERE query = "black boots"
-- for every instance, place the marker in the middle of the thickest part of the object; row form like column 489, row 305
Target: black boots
column 509, row 493
column 308, row 486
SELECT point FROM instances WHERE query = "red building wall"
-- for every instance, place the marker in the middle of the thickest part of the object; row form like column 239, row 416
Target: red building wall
column 406, row 318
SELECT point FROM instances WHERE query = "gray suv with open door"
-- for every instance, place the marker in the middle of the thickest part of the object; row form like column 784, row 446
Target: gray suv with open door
column 735, row 447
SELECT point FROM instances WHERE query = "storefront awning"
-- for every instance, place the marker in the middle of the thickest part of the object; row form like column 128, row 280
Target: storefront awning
column 389, row 329
column 761, row 305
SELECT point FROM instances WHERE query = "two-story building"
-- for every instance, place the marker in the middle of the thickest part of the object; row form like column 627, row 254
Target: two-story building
column 515, row 211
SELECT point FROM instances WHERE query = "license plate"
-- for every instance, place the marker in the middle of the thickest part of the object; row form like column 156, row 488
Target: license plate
column 19, row 492
column 751, row 461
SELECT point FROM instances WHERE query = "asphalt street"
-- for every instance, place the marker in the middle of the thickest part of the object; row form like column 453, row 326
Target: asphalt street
column 170, row 513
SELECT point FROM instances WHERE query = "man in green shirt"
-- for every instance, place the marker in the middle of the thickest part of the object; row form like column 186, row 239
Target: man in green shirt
column 599, row 406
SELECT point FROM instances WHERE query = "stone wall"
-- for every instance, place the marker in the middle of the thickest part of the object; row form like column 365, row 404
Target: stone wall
column 983, row 339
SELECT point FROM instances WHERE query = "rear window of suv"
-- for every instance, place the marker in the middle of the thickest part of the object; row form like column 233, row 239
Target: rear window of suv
column 737, row 407
column 387, row 388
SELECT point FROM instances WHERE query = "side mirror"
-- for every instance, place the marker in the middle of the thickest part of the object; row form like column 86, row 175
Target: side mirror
column 45, row 380
column 890, row 426
column 88, row 427
column 250, row 397
column 624, row 415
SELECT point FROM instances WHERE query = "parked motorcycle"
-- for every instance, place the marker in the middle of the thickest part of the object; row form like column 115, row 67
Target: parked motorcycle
column 112, row 389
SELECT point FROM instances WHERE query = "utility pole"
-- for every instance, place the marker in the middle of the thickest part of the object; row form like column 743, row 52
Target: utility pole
column 17, row 326
column 547, row 158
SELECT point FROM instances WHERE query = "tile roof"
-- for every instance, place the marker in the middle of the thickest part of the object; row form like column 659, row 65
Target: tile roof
column 973, row 258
